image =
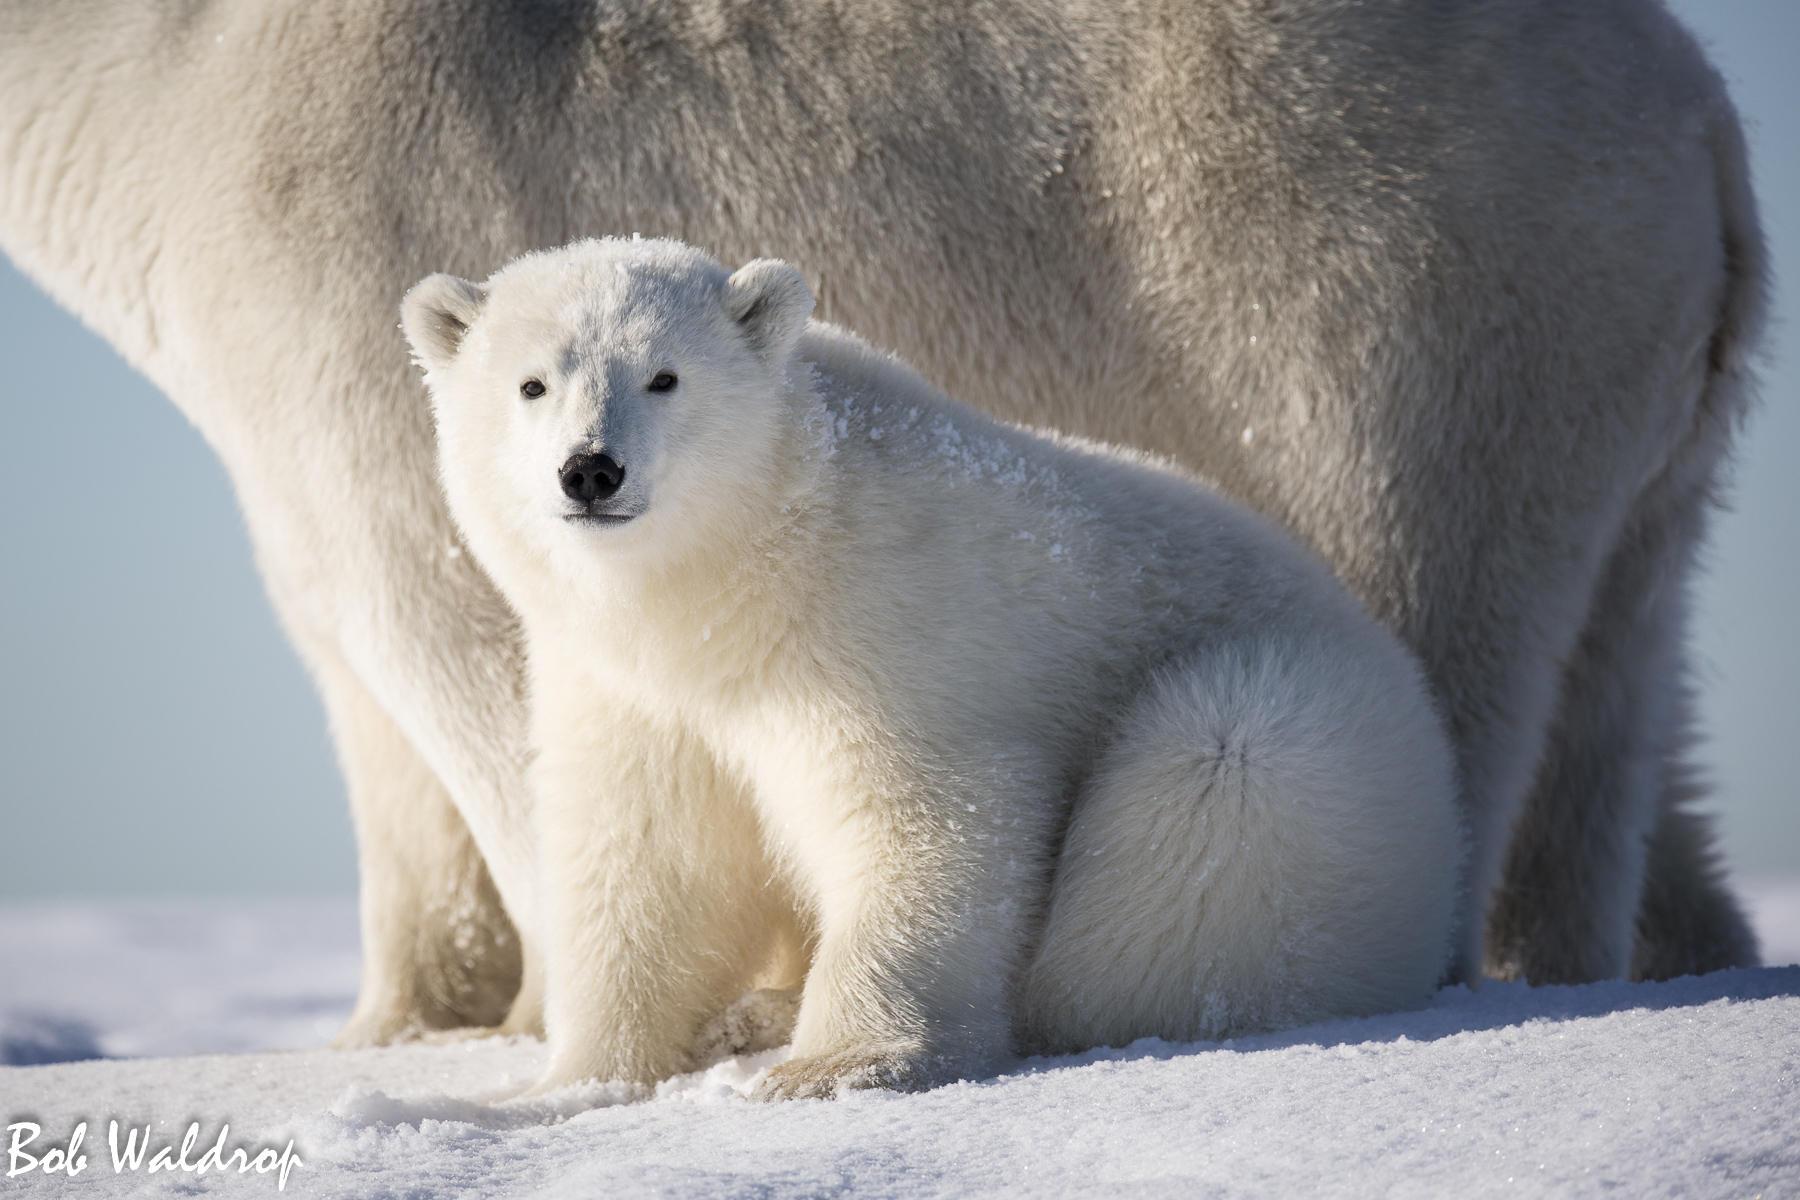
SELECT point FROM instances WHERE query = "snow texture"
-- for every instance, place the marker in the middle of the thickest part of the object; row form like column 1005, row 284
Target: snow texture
column 1685, row 1088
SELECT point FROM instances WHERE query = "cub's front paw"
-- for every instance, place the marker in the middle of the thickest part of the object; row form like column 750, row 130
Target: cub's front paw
column 825, row 1076
column 898, row 1068
column 467, row 1033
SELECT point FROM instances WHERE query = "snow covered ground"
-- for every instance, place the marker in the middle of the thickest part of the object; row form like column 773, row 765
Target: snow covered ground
column 1689, row 1088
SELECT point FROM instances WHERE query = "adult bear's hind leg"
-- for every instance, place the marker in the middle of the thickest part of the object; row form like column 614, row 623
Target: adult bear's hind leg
column 1688, row 922
column 1606, row 855
column 1608, row 869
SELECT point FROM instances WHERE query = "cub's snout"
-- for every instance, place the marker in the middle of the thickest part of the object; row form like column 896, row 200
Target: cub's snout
column 587, row 478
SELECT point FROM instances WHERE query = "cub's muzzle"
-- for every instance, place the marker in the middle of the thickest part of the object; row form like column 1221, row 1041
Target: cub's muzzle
column 589, row 477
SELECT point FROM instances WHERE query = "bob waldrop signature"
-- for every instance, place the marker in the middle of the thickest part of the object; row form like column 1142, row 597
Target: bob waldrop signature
column 68, row 1160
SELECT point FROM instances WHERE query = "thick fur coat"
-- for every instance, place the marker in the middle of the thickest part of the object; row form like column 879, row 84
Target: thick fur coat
column 818, row 655
column 1463, row 295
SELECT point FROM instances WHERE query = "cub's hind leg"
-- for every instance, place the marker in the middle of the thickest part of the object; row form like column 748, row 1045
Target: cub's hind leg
column 1269, row 840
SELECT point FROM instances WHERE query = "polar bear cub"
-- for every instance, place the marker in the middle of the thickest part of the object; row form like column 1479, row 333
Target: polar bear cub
column 991, row 741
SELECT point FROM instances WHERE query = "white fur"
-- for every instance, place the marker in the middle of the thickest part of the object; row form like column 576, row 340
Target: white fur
column 1463, row 295
column 849, row 659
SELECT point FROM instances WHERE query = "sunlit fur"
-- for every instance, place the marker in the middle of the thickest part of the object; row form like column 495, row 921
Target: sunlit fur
column 858, row 661
column 1463, row 295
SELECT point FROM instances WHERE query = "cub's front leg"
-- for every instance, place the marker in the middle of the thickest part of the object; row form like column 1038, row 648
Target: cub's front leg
column 657, row 894
column 922, row 904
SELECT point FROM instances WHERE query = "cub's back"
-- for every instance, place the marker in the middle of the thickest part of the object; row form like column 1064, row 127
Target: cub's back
column 934, row 499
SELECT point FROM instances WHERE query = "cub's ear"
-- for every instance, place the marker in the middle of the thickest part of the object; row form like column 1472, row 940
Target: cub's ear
column 770, row 302
column 437, row 314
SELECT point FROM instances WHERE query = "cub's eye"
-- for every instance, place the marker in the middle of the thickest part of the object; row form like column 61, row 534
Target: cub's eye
column 663, row 382
column 531, row 389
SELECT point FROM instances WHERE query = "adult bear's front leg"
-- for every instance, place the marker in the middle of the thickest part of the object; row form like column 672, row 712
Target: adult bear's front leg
column 439, row 951
column 660, row 903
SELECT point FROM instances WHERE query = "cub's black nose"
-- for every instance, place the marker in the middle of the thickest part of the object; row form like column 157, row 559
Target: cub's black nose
column 590, row 477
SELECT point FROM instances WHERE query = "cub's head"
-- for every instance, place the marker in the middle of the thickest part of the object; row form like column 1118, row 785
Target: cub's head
column 613, row 395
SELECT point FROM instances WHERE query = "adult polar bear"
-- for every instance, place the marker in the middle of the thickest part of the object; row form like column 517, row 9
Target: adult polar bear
column 1463, row 294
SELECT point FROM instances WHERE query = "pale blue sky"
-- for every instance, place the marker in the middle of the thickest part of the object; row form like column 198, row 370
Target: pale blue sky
column 157, row 735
